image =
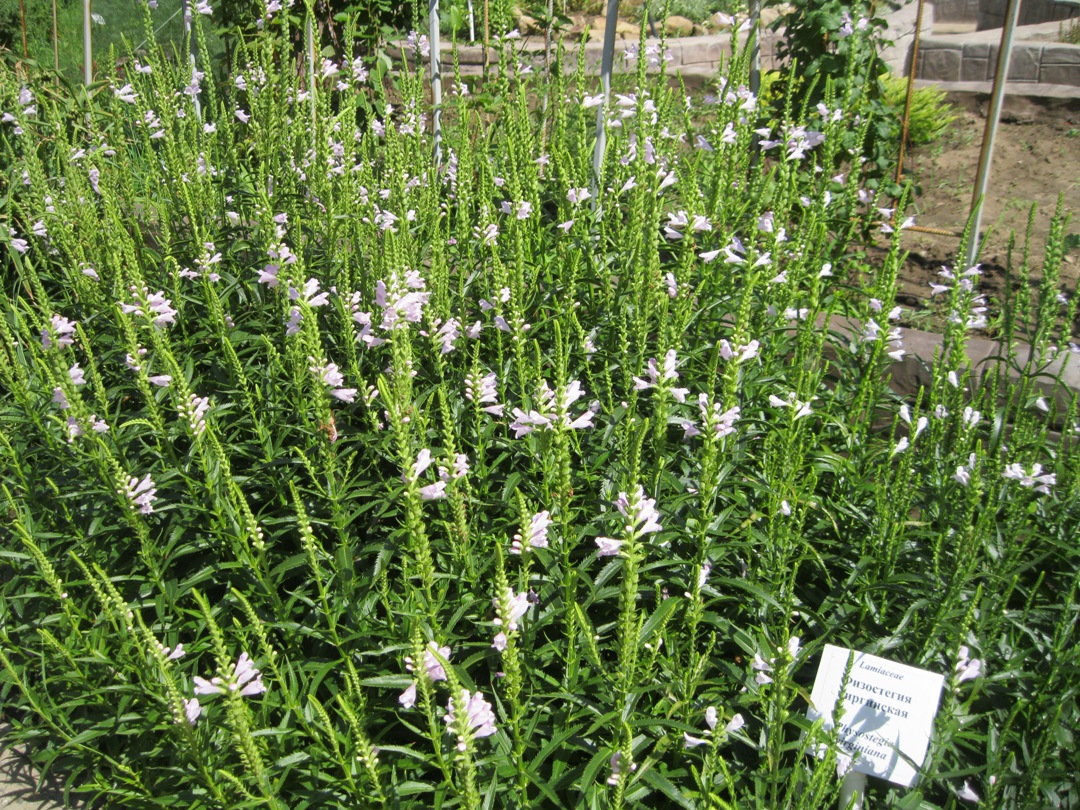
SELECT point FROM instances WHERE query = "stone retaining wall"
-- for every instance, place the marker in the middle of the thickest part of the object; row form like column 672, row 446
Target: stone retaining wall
column 705, row 52
column 992, row 12
column 1036, row 58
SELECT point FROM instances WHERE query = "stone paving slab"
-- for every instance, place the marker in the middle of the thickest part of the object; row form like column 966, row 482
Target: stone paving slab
column 19, row 789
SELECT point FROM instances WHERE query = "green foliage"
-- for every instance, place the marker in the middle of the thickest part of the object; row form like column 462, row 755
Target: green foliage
column 1070, row 32
column 335, row 477
column 930, row 116
column 37, row 17
column 832, row 49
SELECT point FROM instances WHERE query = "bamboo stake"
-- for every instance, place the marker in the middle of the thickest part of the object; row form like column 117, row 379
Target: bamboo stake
column 55, row 40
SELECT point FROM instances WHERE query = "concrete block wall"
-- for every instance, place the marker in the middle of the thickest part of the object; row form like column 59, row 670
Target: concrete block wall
column 956, row 10
column 992, row 12
column 969, row 58
column 901, row 31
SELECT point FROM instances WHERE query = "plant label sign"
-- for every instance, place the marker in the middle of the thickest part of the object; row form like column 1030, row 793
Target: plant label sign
column 888, row 711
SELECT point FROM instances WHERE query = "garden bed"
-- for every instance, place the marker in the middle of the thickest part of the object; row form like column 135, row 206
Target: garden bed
column 1036, row 159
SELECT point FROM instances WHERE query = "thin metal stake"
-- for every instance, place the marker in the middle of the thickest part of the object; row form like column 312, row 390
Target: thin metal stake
column 310, row 34
column 993, row 117
column 605, row 81
column 755, row 45
column 436, row 78
column 88, row 48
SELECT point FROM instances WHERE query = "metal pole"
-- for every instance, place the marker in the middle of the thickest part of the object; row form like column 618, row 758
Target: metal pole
column 436, row 78
column 993, row 116
column 605, row 81
column 88, row 53
column 472, row 23
column 310, row 35
column 189, row 34
column 755, row 45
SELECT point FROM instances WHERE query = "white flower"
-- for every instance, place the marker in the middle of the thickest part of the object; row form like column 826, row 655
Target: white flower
column 192, row 710
column 607, row 546
column 692, row 742
column 966, row 794
column 967, row 669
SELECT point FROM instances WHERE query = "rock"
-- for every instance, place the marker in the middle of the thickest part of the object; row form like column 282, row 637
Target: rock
column 528, row 25
column 623, row 29
column 678, row 26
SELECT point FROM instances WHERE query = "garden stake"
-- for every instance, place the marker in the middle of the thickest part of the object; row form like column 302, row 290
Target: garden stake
column 436, row 79
column 22, row 17
column 605, row 81
column 88, row 54
column 910, row 91
column 185, row 6
column 993, row 116
column 55, row 40
column 310, row 39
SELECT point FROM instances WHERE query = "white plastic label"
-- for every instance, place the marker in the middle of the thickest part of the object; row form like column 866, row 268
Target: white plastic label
column 888, row 711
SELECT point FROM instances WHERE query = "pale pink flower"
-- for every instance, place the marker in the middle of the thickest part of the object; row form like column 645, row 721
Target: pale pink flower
column 246, row 678
column 407, row 699
column 616, row 768
column 478, row 719
column 433, row 492
column 141, row 494
column 967, row 668
column 510, row 607
column 639, row 511
column 608, row 546
column 192, row 710
column 61, row 333
column 434, row 655
column 1036, row 479
column 538, row 534
column 692, row 742
column 310, row 294
column 76, row 374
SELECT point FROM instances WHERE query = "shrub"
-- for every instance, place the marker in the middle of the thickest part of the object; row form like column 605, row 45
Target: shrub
column 930, row 115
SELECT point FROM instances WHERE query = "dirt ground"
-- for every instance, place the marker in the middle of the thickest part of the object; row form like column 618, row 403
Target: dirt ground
column 1033, row 162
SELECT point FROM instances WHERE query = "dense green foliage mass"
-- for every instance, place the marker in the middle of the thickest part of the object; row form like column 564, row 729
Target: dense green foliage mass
column 341, row 470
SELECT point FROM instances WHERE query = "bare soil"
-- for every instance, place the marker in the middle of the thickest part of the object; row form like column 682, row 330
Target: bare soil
column 1033, row 163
